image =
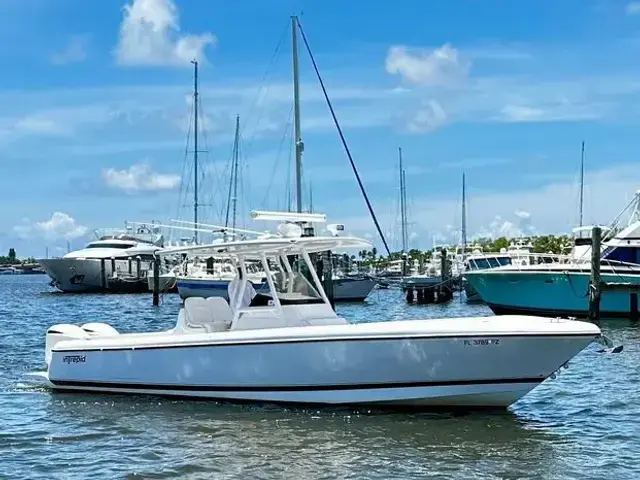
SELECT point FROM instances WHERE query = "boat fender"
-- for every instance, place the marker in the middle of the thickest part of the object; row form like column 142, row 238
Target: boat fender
column 60, row 333
column 99, row 329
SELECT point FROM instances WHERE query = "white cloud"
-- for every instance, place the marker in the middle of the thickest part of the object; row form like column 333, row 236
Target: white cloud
column 75, row 51
column 429, row 116
column 632, row 8
column 499, row 227
column 139, row 177
column 441, row 66
column 60, row 226
column 150, row 35
column 515, row 113
column 551, row 112
column 41, row 125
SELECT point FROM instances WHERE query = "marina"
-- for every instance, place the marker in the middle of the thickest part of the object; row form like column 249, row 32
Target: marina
column 297, row 247
column 580, row 423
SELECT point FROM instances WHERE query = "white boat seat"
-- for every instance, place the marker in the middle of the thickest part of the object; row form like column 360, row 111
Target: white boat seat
column 197, row 313
column 221, row 313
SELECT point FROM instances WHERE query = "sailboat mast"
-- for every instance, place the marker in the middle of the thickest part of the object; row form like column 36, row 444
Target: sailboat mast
column 236, row 154
column 403, row 219
column 195, row 148
column 296, row 114
column 406, row 221
column 581, row 184
column 463, row 229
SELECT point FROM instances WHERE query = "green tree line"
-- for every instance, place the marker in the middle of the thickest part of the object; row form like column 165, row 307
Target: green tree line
column 12, row 259
column 555, row 244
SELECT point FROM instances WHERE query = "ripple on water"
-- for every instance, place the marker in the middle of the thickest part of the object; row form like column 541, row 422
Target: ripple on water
column 581, row 425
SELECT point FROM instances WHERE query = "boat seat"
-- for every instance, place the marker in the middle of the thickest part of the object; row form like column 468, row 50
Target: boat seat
column 197, row 313
column 211, row 315
column 221, row 313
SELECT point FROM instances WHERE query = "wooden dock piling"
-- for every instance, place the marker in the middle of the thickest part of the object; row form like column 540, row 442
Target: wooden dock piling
column 595, row 285
column 156, row 280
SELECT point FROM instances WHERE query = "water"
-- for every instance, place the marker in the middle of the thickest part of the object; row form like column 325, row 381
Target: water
column 584, row 424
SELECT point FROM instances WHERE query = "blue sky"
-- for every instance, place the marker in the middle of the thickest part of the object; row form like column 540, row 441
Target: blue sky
column 95, row 112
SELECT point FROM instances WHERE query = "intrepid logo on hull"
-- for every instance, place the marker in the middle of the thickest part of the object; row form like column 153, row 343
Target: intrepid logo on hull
column 74, row 359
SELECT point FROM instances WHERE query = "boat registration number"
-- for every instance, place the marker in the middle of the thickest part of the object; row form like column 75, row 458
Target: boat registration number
column 482, row 342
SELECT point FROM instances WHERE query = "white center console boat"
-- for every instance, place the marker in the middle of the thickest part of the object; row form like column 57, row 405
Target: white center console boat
column 286, row 344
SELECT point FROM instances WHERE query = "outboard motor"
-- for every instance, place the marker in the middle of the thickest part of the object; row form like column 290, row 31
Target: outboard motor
column 99, row 329
column 61, row 333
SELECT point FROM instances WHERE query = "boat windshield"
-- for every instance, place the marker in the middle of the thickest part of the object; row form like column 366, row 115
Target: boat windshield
column 291, row 288
column 484, row 263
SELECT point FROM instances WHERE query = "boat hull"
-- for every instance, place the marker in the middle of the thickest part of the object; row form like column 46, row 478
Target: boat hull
column 550, row 293
column 352, row 289
column 85, row 275
column 205, row 288
column 463, row 371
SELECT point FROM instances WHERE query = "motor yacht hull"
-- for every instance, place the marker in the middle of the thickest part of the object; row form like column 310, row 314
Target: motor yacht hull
column 352, row 289
column 398, row 364
column 548, row 293
column 86, row 275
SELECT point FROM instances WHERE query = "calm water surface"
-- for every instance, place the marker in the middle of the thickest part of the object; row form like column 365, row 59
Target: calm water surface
column 584, row 424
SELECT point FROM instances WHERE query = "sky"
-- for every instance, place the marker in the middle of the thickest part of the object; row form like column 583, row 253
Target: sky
column 96, row 122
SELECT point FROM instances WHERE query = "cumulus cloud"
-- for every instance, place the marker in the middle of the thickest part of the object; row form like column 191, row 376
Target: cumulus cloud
column 150, row 35
column 138, row 178
column 516, row 113
column 500, row 227
column 428, row 117
column 427, row 67
column 60, row 226
column 75, row 51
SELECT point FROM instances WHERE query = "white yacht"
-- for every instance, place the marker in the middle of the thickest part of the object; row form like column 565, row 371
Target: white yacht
column 286, row 344
column 117, row 261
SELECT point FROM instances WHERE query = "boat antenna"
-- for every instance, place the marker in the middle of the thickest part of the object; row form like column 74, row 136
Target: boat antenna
column 581, row 184
column 342, row 138
column 297, row 135
column 195, row 147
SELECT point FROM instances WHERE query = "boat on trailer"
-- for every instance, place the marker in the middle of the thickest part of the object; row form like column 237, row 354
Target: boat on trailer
column 286, row 344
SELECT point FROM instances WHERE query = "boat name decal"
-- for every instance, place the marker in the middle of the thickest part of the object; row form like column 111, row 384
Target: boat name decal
column 482, row 341
column 74, row 359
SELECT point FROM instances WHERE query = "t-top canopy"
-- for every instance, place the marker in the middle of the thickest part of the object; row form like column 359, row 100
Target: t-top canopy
column 270, row 246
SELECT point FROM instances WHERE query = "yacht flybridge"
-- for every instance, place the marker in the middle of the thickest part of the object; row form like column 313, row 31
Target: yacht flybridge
column 285, row 343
